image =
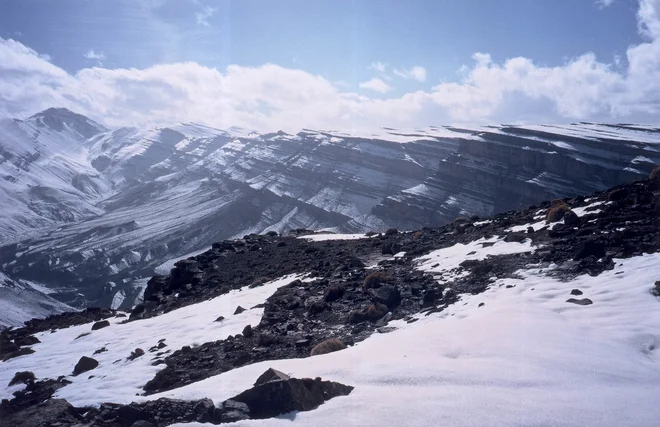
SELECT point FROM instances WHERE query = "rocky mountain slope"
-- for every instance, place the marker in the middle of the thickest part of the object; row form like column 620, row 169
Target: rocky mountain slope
column 94, row 212
column 515, row 315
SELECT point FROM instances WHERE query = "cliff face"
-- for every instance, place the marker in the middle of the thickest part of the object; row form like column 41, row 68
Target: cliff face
column 507, row 168
column 94, row 216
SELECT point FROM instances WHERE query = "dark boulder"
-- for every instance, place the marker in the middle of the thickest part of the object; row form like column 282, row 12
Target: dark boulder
column 100, row 325
column 247, row 332
column 23, row 377
column 280, row 397
column 85, row 364
column 576, row 292
column 571, row 218
column 271, row 375
column 26, row 340
column 388, row 295
column 138, row 352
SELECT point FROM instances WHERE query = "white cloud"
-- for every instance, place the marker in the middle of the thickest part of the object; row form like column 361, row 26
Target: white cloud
column 204, row 15
column 418, row 73
column 92, row 54
column 604, row 3
column 378, row 66
column 376, row 85
column 271, row 97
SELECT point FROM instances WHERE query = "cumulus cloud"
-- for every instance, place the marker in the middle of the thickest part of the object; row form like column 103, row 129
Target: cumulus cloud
column 92, row 54
column 418, row 73
column 377, row 85
column 271, row 97
column 204, row 15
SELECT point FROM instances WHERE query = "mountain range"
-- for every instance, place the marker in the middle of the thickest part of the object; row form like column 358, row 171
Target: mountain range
column 544, row 316
column 90, row 214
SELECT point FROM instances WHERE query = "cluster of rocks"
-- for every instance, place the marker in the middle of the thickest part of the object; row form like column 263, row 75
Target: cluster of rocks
column 274, row 393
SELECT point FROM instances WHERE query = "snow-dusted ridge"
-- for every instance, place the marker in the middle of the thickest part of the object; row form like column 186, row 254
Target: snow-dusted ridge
column 83, row 200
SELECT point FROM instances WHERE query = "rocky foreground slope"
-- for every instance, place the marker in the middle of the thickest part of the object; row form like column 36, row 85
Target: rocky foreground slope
column 370, row 310
column 95, row 211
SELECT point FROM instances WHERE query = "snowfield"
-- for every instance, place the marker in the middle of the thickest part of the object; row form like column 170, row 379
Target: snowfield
column 526, row 358
column 117, row 379
column 516, row 355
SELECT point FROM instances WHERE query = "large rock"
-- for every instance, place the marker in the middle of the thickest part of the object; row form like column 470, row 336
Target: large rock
column 85, row 364
column 271, row 375
column 100, row 325
column 388, row 295
column 281, row 396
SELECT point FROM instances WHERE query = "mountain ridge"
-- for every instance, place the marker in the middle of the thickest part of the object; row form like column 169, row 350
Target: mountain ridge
column 94, row 224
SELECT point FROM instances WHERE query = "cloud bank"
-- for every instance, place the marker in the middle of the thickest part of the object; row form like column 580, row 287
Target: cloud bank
column 271, row 97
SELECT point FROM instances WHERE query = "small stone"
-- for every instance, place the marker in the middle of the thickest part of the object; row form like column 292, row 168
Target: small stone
column 219, row 319
column 481, row 304
column 576, row 292
column 138, row 352
column 239, row 310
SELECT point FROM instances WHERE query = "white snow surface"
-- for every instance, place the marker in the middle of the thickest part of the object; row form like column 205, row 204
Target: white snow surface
column 526, row 358
column 447, row 259
column 117, row 379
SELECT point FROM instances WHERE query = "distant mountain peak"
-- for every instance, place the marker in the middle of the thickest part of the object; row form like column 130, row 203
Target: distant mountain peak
column 58, row 118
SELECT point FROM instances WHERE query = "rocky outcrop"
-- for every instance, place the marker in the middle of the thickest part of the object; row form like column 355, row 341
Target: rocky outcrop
column 274, row 394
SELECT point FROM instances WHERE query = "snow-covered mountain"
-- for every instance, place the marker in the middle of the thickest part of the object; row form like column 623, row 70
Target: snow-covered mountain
column 526, row 318
column 94, row 212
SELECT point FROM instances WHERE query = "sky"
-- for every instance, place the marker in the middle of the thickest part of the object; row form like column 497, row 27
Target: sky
column 332, row 64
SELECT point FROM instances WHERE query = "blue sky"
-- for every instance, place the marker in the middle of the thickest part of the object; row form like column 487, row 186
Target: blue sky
column 337, row 39
column 365, row 48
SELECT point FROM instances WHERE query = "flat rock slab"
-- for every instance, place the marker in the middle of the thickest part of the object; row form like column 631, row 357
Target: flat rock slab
column 280, row 397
